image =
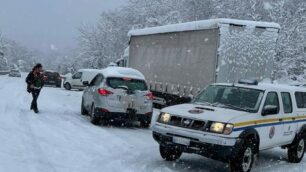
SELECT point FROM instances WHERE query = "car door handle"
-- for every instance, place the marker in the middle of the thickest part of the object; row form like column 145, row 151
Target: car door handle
column 280, row 120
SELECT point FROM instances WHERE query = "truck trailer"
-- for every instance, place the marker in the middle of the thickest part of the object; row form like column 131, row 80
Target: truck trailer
column 179, row 60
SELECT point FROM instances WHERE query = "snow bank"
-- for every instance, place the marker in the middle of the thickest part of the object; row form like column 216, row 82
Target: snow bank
column 199, row 25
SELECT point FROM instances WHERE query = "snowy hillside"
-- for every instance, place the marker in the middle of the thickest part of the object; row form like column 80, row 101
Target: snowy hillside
column 59, row 139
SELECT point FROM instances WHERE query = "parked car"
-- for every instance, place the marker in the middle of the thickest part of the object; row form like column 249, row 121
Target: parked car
column 76, row 80
column 14, row 73
column 52, row 78
column 234, row 122
column 118, row 93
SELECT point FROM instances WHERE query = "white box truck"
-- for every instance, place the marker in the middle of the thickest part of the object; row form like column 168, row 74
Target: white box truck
column 179, row 60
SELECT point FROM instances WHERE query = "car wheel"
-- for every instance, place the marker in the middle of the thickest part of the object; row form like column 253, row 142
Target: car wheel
column 245, row 159
column 93, row 118
column 296, row 150
column 67, row 86
column 83, row 110
column 145, row 124
column 169, row 154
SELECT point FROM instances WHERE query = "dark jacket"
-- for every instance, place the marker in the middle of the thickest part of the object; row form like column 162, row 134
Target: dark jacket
column 37, row 81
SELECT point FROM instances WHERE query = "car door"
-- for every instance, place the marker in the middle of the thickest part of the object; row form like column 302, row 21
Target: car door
column 87, row 92
column 93, row 95
column 77, row 79
column 269, row 127
column 289, row 126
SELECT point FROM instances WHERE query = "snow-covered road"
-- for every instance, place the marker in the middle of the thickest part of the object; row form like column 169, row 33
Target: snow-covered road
column 59, row 139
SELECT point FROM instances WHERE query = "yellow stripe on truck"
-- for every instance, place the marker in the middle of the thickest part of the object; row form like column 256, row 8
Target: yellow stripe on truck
column 266, row 121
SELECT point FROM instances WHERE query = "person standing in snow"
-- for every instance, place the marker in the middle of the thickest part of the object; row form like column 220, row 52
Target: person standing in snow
column 35, row 82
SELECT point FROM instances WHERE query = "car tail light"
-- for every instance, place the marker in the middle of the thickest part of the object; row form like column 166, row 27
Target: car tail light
column 104, row 92
column 104, row 110
column 149, row 96
column 126, row 79
column 149, row 113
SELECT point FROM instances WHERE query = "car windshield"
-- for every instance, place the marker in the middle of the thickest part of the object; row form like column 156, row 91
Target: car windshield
column 131, row 84
column 232, row 97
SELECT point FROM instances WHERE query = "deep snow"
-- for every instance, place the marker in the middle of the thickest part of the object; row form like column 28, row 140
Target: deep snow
column 59, row 139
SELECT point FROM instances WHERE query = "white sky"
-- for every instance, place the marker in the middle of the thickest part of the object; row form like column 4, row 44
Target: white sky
column 50, row 24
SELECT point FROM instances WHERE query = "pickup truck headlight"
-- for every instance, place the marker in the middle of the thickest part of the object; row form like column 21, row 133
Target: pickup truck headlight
column 221, row 128
column 164, row 117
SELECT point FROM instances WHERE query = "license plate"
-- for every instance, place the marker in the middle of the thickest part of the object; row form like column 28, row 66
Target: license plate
column 182, row 141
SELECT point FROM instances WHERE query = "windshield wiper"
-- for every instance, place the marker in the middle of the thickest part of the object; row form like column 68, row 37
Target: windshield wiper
column 235, row 107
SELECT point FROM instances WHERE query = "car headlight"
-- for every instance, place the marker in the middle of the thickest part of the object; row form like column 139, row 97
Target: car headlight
column 164, row 117
column 217, row 127
column 228, row 129
column 221, row 128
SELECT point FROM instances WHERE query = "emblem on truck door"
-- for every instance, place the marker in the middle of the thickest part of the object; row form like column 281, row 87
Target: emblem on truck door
column 272, row 132
column 187, row 122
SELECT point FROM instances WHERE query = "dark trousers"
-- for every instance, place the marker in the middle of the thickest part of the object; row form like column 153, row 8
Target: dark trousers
column 35, row 94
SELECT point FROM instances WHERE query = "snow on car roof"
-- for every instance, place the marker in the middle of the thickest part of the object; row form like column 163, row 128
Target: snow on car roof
column 200, row 25
column 266, row 86
column 90, row 70
column 122, row 72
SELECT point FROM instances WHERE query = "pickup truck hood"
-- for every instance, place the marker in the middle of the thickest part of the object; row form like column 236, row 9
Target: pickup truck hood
column 208, row 113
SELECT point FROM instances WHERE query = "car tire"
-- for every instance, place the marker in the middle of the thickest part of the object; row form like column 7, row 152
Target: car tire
column 245, row 158
column 145, row 124
column 83, row 110
column 296, row 150
column 58, row 86
column 67, row 86
column 169, row 154
column 93, row 118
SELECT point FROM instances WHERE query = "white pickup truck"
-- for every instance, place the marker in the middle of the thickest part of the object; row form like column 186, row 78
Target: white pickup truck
column 234, row 122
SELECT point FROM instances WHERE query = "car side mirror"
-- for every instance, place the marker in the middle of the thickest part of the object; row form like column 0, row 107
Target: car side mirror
column 269, row 110
column 86, row 83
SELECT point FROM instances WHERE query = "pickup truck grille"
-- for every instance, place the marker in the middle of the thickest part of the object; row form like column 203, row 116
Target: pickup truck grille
column 187, row 123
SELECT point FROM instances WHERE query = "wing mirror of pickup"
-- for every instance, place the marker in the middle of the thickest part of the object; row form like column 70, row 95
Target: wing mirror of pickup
column 269, row 110
column 86, row 83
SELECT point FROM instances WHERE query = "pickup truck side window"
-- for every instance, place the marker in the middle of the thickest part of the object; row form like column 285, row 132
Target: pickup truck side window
column 272, row 99
column 300, row 98
column 287, row 103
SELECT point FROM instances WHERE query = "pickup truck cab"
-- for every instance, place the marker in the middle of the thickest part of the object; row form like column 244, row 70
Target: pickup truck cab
column 234, row 122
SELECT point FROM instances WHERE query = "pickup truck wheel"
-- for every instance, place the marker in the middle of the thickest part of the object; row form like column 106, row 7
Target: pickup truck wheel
column 83, row 110
column 93, row 118
column 67, row 86
column 169, row 154
column 245, row 159
column 296, row 150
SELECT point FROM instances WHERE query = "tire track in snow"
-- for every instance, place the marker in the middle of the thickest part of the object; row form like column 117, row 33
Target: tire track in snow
column 32, row 147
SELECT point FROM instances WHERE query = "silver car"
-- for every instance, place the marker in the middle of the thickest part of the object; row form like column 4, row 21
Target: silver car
column 117, row 93
column 14, row 73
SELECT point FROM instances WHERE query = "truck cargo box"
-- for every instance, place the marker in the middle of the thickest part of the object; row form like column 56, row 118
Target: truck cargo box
column 181, row 59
